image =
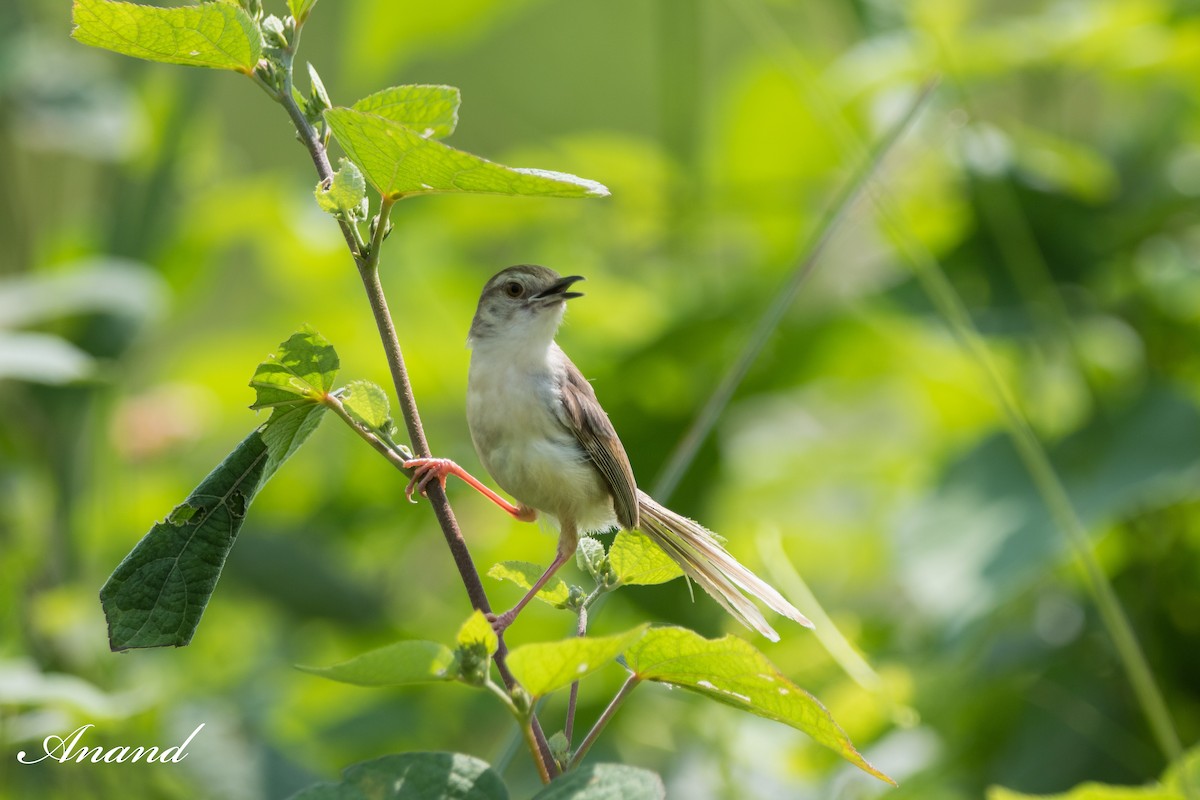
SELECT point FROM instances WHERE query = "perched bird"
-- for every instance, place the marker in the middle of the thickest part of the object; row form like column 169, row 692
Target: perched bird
column 543, row 436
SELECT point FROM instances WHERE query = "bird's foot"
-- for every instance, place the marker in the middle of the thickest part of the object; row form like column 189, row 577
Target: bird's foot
column 426, row 470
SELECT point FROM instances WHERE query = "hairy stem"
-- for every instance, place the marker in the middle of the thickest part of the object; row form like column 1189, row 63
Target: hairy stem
column 367, row 260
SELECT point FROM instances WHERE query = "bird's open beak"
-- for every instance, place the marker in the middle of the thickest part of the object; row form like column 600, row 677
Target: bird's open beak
column 558, row 289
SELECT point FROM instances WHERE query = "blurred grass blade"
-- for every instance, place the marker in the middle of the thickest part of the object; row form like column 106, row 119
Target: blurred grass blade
column 685, row 452
column 784, row 575
column 219, row 35
column 399, row 162
column 732, row 671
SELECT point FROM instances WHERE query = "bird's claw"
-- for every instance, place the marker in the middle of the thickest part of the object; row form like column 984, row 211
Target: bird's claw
column 425, row 470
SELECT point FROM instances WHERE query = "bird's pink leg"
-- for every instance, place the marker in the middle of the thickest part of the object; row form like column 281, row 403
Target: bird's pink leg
column 428, row 469
column 502, row 621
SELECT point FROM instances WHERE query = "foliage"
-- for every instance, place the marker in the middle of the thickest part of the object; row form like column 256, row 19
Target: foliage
column 158, row 238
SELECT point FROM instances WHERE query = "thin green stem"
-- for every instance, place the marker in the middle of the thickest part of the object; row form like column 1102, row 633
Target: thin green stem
column 393, row 454
column 933, row 279
column 532, row 732
column 685, row 452
column 630, row 684
column 1037, row 463
column 581, row 624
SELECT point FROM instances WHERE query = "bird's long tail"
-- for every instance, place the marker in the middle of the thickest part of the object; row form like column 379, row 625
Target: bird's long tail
column 705, row 561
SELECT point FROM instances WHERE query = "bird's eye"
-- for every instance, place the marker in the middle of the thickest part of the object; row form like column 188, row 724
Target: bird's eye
column 514, row 289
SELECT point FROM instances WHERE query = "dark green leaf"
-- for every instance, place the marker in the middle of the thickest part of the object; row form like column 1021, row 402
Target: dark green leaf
column 219, row 35
column 400, row 162
column 413, row 776
column 734, row 672
column 605, row 782
column 156, row 595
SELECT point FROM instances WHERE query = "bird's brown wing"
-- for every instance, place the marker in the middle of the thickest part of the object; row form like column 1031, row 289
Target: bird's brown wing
column 587, row 420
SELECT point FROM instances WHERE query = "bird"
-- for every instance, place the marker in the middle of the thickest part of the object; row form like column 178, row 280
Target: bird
column 540, row 432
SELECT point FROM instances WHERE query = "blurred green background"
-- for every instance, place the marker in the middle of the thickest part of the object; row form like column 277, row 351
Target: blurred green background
column 158, row 238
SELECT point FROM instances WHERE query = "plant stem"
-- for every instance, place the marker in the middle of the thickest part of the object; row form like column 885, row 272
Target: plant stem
column 573, row 700
column 367, row 261
column 627, row 687
column 1053, row 494
column 531, row 731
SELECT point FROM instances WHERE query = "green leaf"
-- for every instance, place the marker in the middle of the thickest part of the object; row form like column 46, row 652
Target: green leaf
column 301, row 372
column 605, row 782
column 346, row 191
column 733, row 672
column 430, row 111
column 399, row 162
column 285, row 431
column 478, row 632
column 320, row 97
column 300, row 9
column 157, row 594
column 590, row 556
column 368, row 404
column 1184, row 769
column 638, row 561
column 396, row 664
column 543, row 667
column 524, row 574
column 413, row 776
column 219, row 35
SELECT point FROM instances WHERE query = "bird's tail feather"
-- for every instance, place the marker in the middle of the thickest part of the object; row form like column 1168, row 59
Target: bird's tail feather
column 704, row 560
